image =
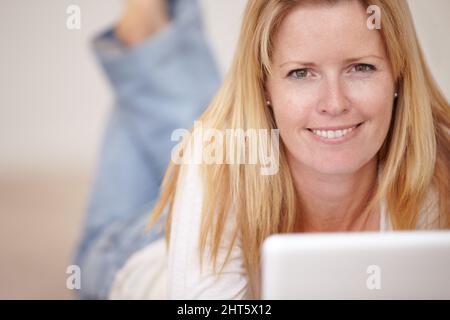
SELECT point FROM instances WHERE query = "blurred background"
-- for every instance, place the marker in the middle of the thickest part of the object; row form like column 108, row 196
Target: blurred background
column 53, row 105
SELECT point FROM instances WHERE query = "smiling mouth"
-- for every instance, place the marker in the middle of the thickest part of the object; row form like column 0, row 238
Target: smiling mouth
column 333, row 132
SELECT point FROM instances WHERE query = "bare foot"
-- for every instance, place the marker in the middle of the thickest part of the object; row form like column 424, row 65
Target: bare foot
column 140, row 19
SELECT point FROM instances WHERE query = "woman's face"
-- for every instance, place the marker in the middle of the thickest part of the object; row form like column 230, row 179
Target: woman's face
column 331, row 88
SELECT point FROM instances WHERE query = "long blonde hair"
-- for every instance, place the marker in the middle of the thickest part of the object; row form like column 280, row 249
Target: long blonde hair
column 415, row 156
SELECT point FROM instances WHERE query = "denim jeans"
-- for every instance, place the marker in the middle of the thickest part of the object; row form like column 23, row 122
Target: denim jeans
column 162, row 84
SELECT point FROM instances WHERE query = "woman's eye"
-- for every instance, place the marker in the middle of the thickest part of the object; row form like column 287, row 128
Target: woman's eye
column 298, row 73
column 363, row 67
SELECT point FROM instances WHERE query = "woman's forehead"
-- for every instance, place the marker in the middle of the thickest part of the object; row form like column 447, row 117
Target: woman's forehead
column 315, row 32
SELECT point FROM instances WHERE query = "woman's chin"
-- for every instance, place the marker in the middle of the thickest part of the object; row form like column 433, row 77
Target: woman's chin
column 336, row 168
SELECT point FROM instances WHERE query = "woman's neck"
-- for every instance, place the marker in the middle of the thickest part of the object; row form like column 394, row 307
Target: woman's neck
column 335, row 202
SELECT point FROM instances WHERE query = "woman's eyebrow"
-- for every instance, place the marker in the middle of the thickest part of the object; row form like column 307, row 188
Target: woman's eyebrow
column 363, row 57
column 306, row 64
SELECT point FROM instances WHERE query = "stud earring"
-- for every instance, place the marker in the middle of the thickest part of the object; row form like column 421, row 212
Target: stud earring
column 396, row 95
column 268, row 102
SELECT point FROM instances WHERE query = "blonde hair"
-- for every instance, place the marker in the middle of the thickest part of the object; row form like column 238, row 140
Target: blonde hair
column 414, row 158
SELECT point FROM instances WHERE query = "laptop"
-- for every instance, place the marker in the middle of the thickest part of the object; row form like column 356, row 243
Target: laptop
column 363, row 265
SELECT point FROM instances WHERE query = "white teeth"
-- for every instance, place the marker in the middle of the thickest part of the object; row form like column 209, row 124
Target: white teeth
column 330, row 134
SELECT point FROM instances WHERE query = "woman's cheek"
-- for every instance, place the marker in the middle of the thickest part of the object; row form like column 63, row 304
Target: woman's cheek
column 373, row 100
column 291, row 114
column 293, row 104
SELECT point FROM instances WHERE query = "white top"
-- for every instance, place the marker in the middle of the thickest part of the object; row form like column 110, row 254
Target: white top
column 151, row 273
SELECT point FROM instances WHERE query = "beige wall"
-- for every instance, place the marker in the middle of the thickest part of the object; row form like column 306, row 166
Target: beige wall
column 432, row 20
column 54, row 99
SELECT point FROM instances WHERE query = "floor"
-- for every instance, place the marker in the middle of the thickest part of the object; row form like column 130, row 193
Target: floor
column 40, row 217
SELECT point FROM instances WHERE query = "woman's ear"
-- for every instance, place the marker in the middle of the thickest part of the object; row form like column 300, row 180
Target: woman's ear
column 398, row 86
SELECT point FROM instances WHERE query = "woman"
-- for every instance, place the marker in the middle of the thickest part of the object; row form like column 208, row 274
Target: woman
column 364, row 139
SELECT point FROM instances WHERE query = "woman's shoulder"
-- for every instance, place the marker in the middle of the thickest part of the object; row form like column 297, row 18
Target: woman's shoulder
column 428, row 214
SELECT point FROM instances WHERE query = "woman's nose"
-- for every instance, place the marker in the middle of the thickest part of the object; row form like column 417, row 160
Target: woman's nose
column 334, row 100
